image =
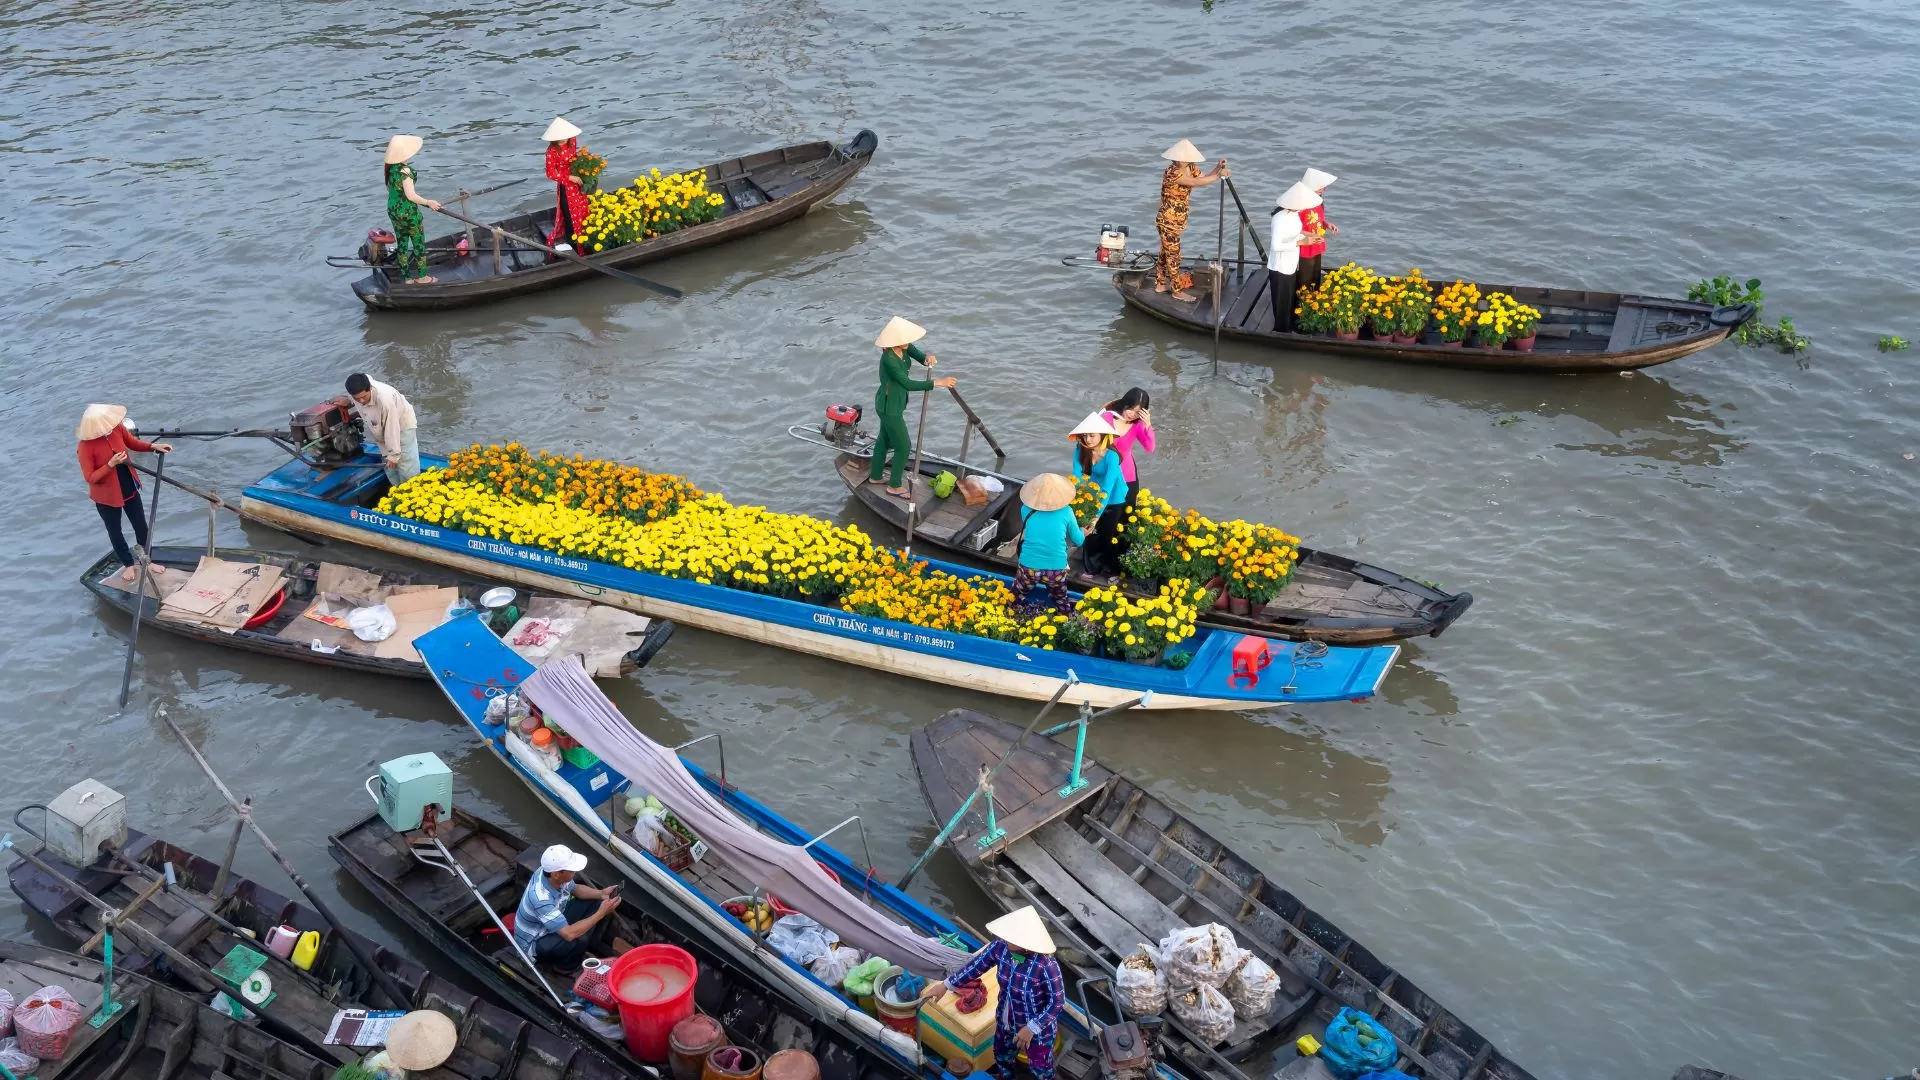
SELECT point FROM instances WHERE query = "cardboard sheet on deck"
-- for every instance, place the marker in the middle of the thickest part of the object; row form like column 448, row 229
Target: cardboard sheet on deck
column 600, row 634
column 222, row 594
column 416, row 613
column 358, row 587
column 166, row 578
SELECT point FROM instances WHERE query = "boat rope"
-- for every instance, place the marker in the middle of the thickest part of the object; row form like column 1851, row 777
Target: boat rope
column 1304, row 656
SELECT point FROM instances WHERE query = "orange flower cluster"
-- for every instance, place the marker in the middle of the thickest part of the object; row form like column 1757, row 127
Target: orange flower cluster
column 883, row 585
column 1456, row 309
column 590, row 484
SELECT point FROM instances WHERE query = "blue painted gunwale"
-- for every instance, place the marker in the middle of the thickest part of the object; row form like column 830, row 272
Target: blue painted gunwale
column 1342, row 674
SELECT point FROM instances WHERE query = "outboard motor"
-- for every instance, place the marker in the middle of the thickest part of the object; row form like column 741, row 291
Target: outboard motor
column 379, row 246
column 1112, row 248
column 329, row 433
column 843, row 422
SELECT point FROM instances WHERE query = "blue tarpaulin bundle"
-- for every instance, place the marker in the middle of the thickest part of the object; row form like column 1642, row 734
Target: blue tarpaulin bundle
column 1357, row 1045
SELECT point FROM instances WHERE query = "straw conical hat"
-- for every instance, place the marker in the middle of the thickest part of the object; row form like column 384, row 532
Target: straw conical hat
column 422, row 1039
column 402, row 147
column 1096, row 423
column 1023, row 930
column 1316, row 179
column 899, row 332
column 1048, row 491
column 1298, row 197
column 99, row 419
column 560, row 130
column 1184, row 150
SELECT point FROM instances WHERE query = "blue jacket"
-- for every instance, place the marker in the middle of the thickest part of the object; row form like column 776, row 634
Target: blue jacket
column 1106, row 473
column 1044, row 540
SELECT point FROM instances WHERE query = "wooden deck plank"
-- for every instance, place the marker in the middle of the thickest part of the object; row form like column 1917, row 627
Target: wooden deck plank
column 1105, row 926
column 1143, row 910
column 1244, row 306
column 950, row 753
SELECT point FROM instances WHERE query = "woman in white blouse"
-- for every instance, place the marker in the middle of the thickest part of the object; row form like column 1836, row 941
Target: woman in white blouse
column 1283, row 260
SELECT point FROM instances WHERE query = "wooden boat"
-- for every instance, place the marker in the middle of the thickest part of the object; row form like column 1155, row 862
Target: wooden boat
column 1329, row 598
column 338, row 503
column 437, row 907
column 155, row 1033
column 1579, row 330
column 1110, row 866
column 282, row 631
column 761, row 190
column 495, row 1044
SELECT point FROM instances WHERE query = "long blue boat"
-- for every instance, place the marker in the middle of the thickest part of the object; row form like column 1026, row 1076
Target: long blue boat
column 338, row 502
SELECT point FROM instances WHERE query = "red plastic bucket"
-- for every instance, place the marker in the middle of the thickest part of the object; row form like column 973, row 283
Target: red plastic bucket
column 653, row 987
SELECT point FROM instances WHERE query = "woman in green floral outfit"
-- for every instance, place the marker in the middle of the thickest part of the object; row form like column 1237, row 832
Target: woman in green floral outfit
column 403, row 209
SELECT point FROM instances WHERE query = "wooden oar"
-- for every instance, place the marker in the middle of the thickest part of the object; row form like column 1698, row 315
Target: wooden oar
column 141, row 582
column 631, row 279
column 1247, row 221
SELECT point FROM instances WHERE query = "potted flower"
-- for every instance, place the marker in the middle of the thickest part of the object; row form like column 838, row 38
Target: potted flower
column 1344, row 295
column 1455, row 311
column 1524, row 322
column 1414, row 307
column 1496, row 324
column 588, row 166
column 1077, row 635
column 1383, row 307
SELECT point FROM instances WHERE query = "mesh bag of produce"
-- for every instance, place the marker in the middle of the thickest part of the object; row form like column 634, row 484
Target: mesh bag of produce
column 1205, row 1011
column 44, row 1022
column 1252, row 987
column 16, row 1059
column 1141, row 988
column 1199, row 956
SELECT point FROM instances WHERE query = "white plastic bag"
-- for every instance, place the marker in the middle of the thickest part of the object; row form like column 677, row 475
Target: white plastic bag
column 16, row 1059
column 44, row 1022
column 1199, row 956
column 832, row 968
column 1205, row 1011
column 1139, row 984
column 991, row 484
column 374, row 623
column 1251, row 987
column 651, row 833
column 802, row 940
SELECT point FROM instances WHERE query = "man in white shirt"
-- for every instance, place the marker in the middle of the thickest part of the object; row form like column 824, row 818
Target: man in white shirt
column 1283, row 261
column 390, row 421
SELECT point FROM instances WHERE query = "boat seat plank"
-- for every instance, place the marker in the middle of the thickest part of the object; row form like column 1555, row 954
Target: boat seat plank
column 1245, row 299
column 1106, row 926
column 1026, row 790
column 1143, row 910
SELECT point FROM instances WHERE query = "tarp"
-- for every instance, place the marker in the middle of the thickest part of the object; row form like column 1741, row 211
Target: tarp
column 565, row 693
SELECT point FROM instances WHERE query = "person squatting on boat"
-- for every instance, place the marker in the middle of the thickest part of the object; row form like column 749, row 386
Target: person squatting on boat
column 115, row 490
column 897, row 352
column 555, row 921
column 1048, row 531
column 1131, row 415
column 403, row 210
column 390, row 420
column 1315, row 227
column 1283, row 261
column 1094, row 456
column 1176, row 192
column 1032, row 992
column 570, row 199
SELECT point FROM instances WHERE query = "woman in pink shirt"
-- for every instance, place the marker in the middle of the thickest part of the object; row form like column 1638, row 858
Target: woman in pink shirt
column 1130, row 415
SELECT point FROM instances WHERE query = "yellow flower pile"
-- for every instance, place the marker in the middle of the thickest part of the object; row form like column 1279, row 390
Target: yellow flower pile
column 584, row 483
column 883, row 585
column 1504, row 318
column 1456, row 309
column 1254, row 560
column 1136, row 627
column 653, row 205
column 1340, row 302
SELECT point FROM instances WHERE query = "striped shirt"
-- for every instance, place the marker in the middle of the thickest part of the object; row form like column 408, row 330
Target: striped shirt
column 542, row 911
column 1031, row 991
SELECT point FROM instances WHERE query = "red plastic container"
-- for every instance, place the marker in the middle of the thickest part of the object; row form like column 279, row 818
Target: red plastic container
column 653, row 987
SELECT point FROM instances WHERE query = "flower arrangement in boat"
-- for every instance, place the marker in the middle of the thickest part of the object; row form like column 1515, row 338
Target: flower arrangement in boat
column 653, row 205
column 1342, row 299
column 882, row 584
column 1415, row 304
column 513, row 471
column 1256, row 561
column 1141, row 627
column 1165, row 543
column 1504, row 315
column 1088, row 501
column 1456, row 309
column 588, row 166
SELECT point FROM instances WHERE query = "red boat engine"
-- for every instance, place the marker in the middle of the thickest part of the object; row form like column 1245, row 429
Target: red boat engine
column 843, row 422
column 328, row 433
column 379, row 246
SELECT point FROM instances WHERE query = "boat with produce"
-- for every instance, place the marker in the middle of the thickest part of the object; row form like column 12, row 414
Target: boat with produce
column 1570, row 329
column 709, row 848
column 284, row 605
column 218, row 920
column 1111, row 866
column 655, row 545
column 757, row 192
column 1322, row 596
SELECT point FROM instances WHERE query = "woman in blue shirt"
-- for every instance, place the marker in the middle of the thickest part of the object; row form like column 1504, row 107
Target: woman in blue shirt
column 1048, row 529
column 1094, row 455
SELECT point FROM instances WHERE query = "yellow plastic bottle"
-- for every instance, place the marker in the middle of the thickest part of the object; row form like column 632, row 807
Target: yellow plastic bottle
column 306, row 949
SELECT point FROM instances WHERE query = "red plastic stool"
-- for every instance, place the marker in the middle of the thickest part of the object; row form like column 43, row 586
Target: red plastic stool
column 1250, row 656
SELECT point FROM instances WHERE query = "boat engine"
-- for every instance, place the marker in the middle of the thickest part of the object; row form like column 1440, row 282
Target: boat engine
column 1112, row 248
column 329, row 433
column 843, row 423
column 378, row 247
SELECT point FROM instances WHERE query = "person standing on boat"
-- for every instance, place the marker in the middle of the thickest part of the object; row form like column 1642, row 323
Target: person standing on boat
column 1315, row 228
column 897, row 352
column 557, row 913
column 1094, row 456
column 390, row 420
column 1176, row 192
column 1132, row 417
column 105, row 443
column 403, row 210
column 1032, row 993
column 570, row 200
column 1283, row 261
column 1048, row 531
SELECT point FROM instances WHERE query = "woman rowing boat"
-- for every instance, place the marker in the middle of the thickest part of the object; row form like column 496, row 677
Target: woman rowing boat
column 1176, row 192
column 403, row 209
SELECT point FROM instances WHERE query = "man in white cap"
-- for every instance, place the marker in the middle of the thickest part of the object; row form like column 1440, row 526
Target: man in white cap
column 557, row 913
column 897, row 384
column 1283, row 261
column 1176, row 191
column 570, row 200
column 1032, row 993
column 1316, row 227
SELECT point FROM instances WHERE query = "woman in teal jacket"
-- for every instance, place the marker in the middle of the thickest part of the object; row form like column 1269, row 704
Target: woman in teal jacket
column 1048, row 531
column 1094, row 455
column 897, row 352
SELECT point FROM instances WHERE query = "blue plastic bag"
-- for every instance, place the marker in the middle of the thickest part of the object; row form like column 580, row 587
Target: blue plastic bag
column 1356, row 1045
column 1386, row 1074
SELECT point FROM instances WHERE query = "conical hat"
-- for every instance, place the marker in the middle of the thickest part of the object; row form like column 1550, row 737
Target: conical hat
column 1096, row 423
column 1298, row 197
column 99, row 419
column 422, row 1039
column 1316, row 179
column 1048, row 491
column 899, row 332
column 402, row 147
column 560, row 130
column 1184, row 150
column 1023, row 930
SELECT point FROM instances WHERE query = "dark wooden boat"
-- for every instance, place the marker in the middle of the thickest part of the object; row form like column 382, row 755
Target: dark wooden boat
column 1579, row 330
column 438, row 907
column 157, row 1033
column 1111, row 866
column 285, row 633
column 761, row 190
column 495, row 1044
column 1329, row 598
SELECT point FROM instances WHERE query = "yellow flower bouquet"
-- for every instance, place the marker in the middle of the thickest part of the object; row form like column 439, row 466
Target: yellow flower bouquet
column 1252, row 560
column 653, row 205
column 1088, row 502
column 1140, row 628
column 1456, row 310
column 1503, row 320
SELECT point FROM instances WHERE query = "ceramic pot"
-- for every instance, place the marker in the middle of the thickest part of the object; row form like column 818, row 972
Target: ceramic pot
column 1405, row 339
column 1239, row 605
column 1347, row 335
column 1523, row 344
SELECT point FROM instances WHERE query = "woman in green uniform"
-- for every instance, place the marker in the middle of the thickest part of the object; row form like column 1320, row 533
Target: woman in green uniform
column 897, row 352
column 403, row 209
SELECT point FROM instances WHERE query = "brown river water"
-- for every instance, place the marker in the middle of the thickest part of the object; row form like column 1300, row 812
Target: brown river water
column 1649, row 802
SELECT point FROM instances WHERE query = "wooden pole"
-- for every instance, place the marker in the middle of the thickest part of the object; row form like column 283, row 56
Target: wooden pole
column 233, row 848
column 913, row 503
column 1219, row 268
column 140, row 583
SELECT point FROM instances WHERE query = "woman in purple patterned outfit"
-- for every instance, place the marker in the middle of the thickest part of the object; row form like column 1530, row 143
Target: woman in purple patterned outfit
column 1032, row 993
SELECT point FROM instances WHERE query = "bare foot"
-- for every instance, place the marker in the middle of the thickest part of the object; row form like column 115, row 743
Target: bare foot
column 129, row 574
column 423, row 281
column 1159, row 287
column 1185, row 295
column 877, row 483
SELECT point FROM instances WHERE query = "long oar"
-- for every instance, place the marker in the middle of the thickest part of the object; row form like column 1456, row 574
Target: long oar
column 217, row 502
column 1247, row 221
column 631, row 279
column 141, row 582
column 913, row 504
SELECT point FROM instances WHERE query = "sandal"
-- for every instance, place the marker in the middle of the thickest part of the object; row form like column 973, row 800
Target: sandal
column 900, row 493
column 423, row 281
column 1182, row 294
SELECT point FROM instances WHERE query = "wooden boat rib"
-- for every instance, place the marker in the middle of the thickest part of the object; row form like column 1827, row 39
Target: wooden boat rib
column 1329, row 598
column 761, row 190
column 337, row 503
column 1111, row 866
column 286, row 633
column 495, row 1044
column 1579, row 330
